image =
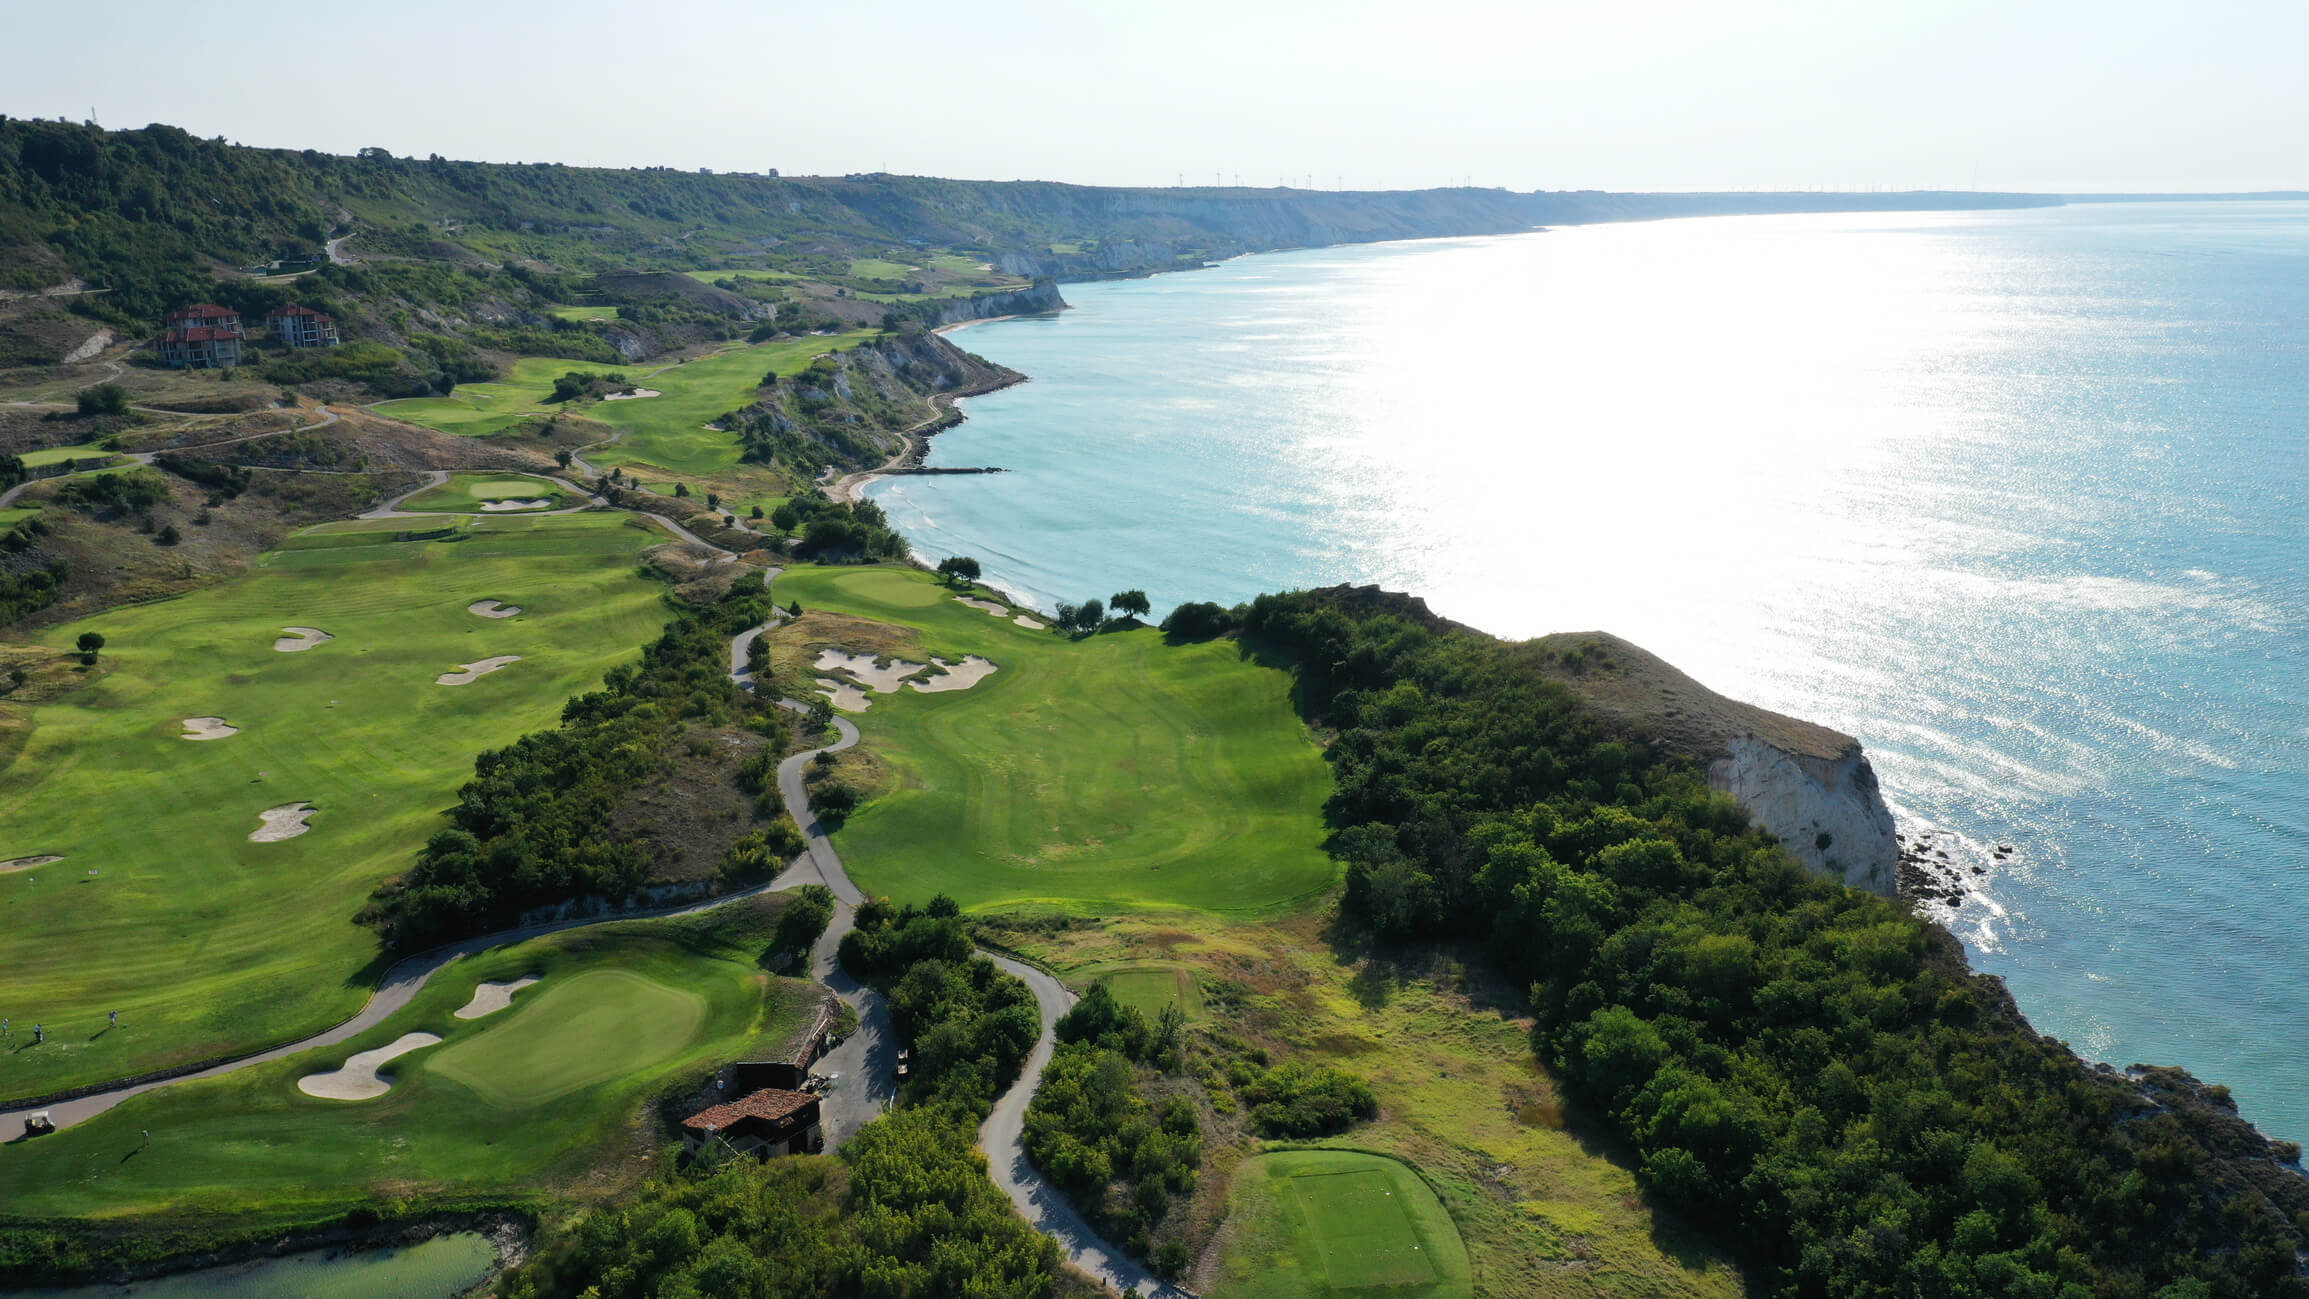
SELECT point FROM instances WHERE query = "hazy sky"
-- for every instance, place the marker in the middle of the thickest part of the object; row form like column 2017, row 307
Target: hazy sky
column 1613, row 94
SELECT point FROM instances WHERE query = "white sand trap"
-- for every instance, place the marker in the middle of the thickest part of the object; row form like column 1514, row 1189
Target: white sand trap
column 300, row 638
column 492, row 609
column 880, row 680
column 207, row 728
column 955, row 676
column 987, row 605
column 846, row 697
column 492, row 997
column 473, row 672
column 636, row 395
column 359, row 1079
column 25, row 863
column 1028, row 623
column 510, row 507
column 284, row 822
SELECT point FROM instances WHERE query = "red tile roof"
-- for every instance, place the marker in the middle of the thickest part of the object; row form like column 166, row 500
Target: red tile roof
column 769, row 1103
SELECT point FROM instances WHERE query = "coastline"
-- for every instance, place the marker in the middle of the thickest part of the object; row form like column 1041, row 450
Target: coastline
column 914, row 442
column 1938, row 864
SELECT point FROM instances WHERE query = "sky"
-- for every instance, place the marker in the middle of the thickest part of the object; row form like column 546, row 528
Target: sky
column 2055, row 96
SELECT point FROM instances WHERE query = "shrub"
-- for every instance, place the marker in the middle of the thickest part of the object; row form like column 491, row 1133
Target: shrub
column 1297, row 1099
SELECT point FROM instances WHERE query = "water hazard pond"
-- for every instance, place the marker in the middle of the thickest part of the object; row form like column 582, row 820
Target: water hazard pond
column 433, row 1269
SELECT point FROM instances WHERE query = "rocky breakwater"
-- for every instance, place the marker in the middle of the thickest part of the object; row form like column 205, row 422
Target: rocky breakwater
column 1808, row 785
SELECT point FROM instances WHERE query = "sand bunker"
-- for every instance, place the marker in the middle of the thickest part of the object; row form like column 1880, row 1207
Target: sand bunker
column 881, row 680
column 955, row 676
column 987, row 605
column 359, row 1079
column 473, row 672
column 300, row 638
column 508, row 507
column 207, row 728
column 1028, row 623
column 491, row 997
column 284, row 822
column 847, row 697
column 636, row 395
column 492, row 609
column 25, row 863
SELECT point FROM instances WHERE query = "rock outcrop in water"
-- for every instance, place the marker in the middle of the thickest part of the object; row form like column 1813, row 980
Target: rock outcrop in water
column 1809, row 785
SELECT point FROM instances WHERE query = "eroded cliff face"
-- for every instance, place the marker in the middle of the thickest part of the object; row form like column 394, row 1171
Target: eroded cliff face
column 1808, row 785
column 1828, row 812
column 1033, row 301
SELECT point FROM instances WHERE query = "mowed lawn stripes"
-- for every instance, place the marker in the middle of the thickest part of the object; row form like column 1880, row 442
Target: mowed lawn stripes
column 209, row 944
column 1113, row 771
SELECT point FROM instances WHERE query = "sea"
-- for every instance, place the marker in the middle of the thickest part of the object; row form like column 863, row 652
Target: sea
column 2015, row 497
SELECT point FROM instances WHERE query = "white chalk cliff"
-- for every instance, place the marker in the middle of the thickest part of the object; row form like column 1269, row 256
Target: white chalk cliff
column 1828, row 812
column 1810, row 786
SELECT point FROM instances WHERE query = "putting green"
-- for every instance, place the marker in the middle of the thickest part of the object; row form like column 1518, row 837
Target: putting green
column 1150, row 986
column 675, row 996
column 578, row 1032
column 1308, row 1223
column 474, row 493
column 206, row 943
column 1117, row 771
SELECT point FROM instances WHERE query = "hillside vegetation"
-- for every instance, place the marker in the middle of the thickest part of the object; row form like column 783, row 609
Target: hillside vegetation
column 1810, row 1068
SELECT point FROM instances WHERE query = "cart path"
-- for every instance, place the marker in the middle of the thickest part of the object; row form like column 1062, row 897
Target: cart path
column 1041, row 1204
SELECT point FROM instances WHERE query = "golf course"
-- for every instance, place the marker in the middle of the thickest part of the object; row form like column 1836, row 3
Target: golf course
column 1309, row 1224
column 666, row 433
column 487, row 494
column 1117, row 771
column 515, row 1101
column 160, row 904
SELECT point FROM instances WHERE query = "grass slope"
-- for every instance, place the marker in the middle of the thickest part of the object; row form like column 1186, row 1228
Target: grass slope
column 528, row 1100
column 1542, row 1205
column 1112, row 772
column 669, row 432
column 1307, row 1223
column 207, row 943
column 666, row 433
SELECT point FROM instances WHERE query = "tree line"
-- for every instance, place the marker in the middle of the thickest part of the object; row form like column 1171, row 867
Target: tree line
column 1810, row 1070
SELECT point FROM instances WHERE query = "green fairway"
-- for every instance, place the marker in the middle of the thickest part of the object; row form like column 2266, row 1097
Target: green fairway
column 876, row 268
column 16, row 514
column 477, row 493
column 574, row 1034
column 586, row 313
column 669, row 432
column 1112, row 772
column 518, row 1102
column 86, row 451
column 1150, row 986
column 1302, row 1224
column 708, row 277
column 162, row 908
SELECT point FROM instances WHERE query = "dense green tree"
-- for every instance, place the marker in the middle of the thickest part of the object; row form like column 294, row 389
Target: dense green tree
column 1132, row 603
column 958, row 568
column 1810, row 1069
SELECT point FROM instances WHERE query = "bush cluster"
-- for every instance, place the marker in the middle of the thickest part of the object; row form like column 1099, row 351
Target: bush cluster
column 532, row 827
column 1808, row 1068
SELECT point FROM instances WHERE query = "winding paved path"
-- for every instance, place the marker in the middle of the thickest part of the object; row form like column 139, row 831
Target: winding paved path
column 866, row 1060
column 863, row 1067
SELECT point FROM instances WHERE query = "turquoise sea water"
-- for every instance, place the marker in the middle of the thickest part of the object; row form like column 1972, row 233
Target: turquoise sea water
column 2015, row 497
